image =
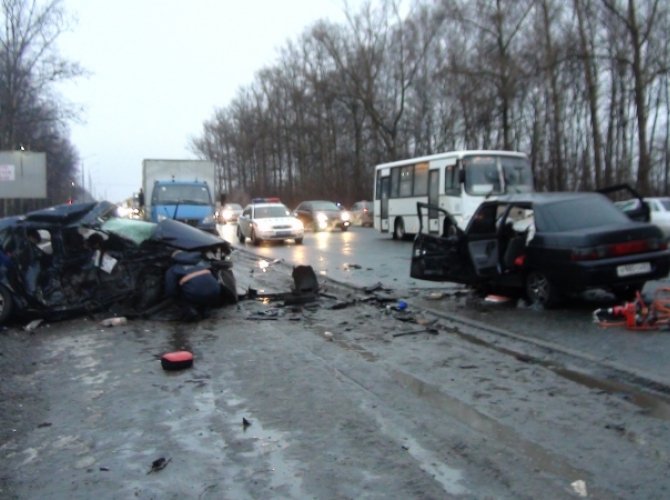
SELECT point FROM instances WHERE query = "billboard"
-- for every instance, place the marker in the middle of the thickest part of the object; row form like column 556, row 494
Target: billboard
column 23, row 174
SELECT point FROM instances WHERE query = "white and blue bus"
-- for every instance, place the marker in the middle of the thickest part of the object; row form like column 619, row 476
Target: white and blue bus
column 456, row 181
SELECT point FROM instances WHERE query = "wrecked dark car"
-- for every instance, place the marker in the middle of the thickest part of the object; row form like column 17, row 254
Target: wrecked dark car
column 543, row 246
column 81, row 258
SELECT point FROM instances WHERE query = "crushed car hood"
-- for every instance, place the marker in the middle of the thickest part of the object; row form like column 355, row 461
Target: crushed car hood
column 185, row 237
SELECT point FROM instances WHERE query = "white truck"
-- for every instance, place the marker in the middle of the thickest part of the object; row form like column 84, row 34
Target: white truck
column 184, row 190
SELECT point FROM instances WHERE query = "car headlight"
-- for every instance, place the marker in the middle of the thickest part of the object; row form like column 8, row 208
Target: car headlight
column 345, row 216
column 263, row 225
column 209, row 219
column 321, row 217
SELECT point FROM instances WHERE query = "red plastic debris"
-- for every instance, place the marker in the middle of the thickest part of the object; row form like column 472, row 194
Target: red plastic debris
column 177, row 360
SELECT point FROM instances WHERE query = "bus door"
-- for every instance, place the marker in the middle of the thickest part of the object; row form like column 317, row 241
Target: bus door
column 384, row 191
column 434, row 200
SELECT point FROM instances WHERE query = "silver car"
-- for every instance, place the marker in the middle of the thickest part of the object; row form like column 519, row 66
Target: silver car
column 268, row 220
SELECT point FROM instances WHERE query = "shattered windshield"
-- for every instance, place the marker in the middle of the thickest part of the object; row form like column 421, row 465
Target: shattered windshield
column 134, row 230
column 171, row 194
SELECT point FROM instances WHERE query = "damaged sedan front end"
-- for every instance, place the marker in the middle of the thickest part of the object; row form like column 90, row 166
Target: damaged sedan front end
column 73, row 259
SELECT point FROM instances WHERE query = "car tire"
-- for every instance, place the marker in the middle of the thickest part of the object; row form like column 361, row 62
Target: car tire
column 344, row 228
column 298, row 241
column 228, row 286
column 540, row 291
column 254, row 240
column 399, row 229
column 240, row 236
column 6, row 304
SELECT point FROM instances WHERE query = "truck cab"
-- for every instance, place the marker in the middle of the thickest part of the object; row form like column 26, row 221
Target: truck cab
column 190, row 202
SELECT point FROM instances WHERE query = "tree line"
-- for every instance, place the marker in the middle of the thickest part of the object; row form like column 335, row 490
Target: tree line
column 581, row 86
column 32, row 115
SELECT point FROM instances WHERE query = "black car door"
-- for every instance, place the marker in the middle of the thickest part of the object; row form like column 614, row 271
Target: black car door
column 482, row 240
column 440, row 257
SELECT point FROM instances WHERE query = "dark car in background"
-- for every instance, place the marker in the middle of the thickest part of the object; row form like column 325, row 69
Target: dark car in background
column 362, row 214
column 543, row 246
column 81, row 258
column 321, row 215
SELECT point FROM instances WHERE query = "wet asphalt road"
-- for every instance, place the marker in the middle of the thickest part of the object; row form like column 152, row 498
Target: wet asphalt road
column 363, row 257
column 362, row 413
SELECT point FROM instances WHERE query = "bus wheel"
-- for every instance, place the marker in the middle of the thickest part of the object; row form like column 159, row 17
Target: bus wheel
column 399, row 229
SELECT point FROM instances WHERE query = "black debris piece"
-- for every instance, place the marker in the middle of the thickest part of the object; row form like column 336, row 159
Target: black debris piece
column 432, row 331
column 159, row 464
column 342, row 304
column 304, row 280
column 245, row 423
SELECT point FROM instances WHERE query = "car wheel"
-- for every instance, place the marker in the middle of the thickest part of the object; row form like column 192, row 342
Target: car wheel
column 240, row 236
column 540, row 291
column 298, row 241
column 344, row 228
column 228, row 286
column 6, row 304
column 254, row 240
column 399, row 229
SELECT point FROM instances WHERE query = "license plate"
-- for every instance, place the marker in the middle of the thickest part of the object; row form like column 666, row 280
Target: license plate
column 633, row 269
column 283, row 233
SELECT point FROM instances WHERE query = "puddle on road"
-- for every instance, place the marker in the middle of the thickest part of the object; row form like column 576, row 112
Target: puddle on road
column 499, row 433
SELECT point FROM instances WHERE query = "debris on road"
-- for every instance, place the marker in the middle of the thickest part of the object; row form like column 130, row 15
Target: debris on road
column 116, row 321
column 159, row 464
column 432, row 331
column 245, row 423
column 579, row 487
column 637, row 315
column 33, row 325
column 177, row 360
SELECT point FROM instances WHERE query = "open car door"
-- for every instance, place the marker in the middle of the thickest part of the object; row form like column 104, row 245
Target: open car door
column 629, row 201
column 440, row 257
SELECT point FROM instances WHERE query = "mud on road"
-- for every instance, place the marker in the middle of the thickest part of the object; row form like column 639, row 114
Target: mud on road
column 371, row 409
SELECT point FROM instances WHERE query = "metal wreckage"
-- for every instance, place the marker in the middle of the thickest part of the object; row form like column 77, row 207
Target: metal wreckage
column 75, row 259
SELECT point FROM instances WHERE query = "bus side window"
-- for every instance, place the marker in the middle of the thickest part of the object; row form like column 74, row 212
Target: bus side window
column 395, row 182
column 451, row 180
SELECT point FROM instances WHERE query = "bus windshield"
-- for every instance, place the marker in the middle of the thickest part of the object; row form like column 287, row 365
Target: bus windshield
column 491, row 175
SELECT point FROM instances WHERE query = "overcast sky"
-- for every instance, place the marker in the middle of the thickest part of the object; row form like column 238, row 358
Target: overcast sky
column 159, row 69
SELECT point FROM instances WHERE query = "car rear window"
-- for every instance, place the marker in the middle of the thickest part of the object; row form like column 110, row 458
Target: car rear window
column 578, row 213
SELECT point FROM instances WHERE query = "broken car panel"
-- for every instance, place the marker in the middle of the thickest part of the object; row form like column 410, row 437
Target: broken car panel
column 79, row 258
column 544, row 245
